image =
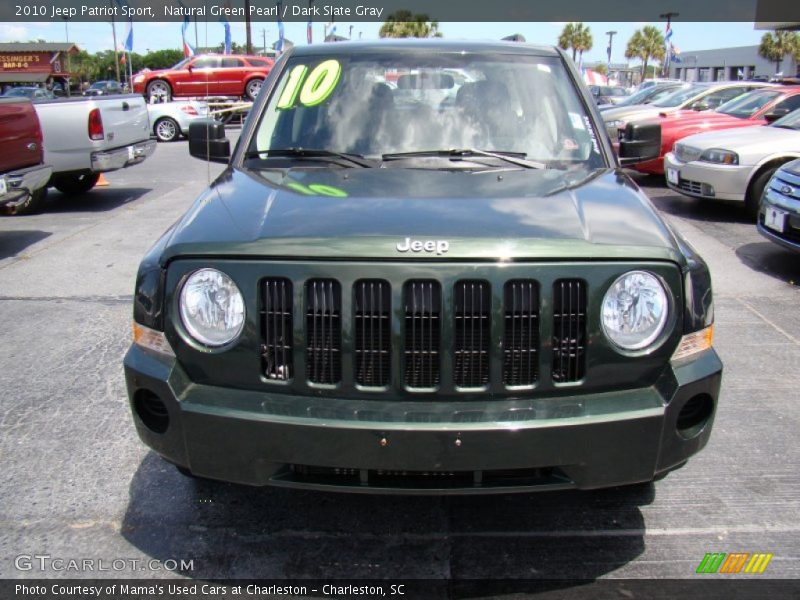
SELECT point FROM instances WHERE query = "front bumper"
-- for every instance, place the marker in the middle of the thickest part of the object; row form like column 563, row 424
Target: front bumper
column 581, row 441
column 708, row 180
column 119, row 158
column 22, row 182
column 774, row 198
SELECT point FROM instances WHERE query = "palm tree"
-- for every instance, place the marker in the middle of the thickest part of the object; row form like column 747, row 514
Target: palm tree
column 576, row 37
column 645, row 44
column 774, row 46
column 403, row 24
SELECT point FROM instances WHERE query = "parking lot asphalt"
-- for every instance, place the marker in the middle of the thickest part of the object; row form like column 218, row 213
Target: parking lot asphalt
column 77, row 483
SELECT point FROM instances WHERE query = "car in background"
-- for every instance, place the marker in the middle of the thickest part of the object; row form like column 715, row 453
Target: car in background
column 733, row 164
column 698, row 97
column 23, row 174
column 206, row 75
column 30, row 92
column 171, row 120
column 779, row 213
column 655, row 82
column 758, row 107
column 104, row 88
column 608, row 94
column 648, row 95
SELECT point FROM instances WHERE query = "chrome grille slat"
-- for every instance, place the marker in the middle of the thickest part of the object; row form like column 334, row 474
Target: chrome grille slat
column 276, row 315
column 323, row 321
column 422, row 306
column 521, row 332
column 372, row 332
column 472, row 327
column 569, row 330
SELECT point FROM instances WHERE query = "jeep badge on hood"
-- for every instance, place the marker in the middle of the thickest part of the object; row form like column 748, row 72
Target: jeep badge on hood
column 438, row 246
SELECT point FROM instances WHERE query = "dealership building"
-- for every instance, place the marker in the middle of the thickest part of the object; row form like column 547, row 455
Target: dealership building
column 728, row 64
column 35, row 63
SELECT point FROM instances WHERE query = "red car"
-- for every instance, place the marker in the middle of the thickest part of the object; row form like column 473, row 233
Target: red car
column 757, row 107
column 206, row 75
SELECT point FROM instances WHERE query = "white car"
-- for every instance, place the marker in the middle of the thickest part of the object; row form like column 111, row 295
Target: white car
column 733, row 164
column 170, row 120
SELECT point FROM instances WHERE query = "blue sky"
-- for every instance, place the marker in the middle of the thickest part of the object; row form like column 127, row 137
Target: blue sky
column 154, row 36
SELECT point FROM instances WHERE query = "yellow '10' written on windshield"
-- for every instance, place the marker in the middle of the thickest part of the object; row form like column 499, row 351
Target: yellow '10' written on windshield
column 311, row 87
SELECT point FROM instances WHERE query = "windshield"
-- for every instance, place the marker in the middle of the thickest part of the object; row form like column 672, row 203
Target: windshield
column 182, row 63
column 748, row 104
column 678, row 97
column 390, row 103
column 98, row 85
column 20, row 92
column 790, row 121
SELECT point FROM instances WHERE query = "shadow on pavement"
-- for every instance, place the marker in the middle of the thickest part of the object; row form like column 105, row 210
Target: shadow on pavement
column 771, row 259
column 235, row 531
column 99, row 199
column 14, row 242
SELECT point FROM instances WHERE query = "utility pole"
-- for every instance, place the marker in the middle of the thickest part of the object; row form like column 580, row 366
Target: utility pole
column 264, row 38
column 116, row 50
column 668, row 16
column 350, row 36
column 249, row 42
column 196, row 39
column 610, row 35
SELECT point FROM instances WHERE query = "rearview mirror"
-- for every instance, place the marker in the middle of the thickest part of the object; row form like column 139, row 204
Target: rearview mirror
column 640, row 142
column 775, row 114
column 207, row 141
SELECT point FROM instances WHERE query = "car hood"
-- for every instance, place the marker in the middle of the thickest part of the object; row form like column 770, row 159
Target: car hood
column 635, row 112
column 686, row 117
column 365, row 213
column 756, row 139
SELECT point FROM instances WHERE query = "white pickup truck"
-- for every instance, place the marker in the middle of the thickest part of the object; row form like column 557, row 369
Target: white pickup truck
column 84, row 137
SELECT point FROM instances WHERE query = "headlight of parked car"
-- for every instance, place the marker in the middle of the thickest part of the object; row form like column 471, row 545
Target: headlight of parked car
column 722, row 157
column 212, row 307
column 635, row 310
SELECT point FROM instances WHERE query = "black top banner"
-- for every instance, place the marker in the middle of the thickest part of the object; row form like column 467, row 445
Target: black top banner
column 770, row 12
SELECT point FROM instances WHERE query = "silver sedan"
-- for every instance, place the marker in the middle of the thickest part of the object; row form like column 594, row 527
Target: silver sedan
column 170, row 120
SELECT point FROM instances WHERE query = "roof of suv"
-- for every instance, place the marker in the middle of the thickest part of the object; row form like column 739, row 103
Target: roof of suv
column 395, row 44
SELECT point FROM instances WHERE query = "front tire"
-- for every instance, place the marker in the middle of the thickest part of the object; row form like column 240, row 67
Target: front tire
column 167, row 129
column 252, row 88
column 32, row 204
column 752, row 199
column 158, row 88
column 76, row 184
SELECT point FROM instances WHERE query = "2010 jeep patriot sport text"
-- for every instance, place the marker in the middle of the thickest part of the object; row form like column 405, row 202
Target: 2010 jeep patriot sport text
column 422, row 272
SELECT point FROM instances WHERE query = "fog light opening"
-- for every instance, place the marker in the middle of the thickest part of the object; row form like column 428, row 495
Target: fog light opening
column 694, row 415
column 151, row 410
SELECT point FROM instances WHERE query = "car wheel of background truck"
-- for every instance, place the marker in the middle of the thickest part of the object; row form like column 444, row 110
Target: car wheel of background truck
column 158, row 88
column 167, row 129
column 252, row 88
column 752, row 199
column 76, row 184
column 31, row 204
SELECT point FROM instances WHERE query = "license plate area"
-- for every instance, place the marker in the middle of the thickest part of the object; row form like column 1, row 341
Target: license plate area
column 673, row 176
column 775, row 219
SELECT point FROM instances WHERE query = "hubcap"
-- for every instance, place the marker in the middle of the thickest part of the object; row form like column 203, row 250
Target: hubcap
column 166, row 130
column 159, row 88
column 254, row 87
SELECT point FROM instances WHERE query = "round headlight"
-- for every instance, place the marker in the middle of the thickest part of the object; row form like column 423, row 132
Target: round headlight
column 635, row 310
column 212, row 307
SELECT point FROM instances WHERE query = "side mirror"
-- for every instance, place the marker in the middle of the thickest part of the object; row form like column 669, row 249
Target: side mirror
column 775, row 114
column 207, row 141
column 640, row 142
column 700, row 106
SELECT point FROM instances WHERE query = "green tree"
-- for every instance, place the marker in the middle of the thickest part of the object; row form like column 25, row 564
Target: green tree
column 646, row 44
column 601, row 69
column 158, row 59
column 403, row 24
column 775, row 46
column 576, row 37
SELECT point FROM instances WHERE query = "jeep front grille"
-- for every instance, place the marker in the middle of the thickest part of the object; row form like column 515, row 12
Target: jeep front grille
column 520, row 332
column 471, row 330
column 569, row 330
column 323, row 331
column 276, row 328
column 422, row 301
column 373, row 342
column 423, row 336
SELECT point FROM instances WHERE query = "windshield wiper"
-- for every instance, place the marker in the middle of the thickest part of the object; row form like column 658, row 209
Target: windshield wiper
column 356, row 159
column 516, row 158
